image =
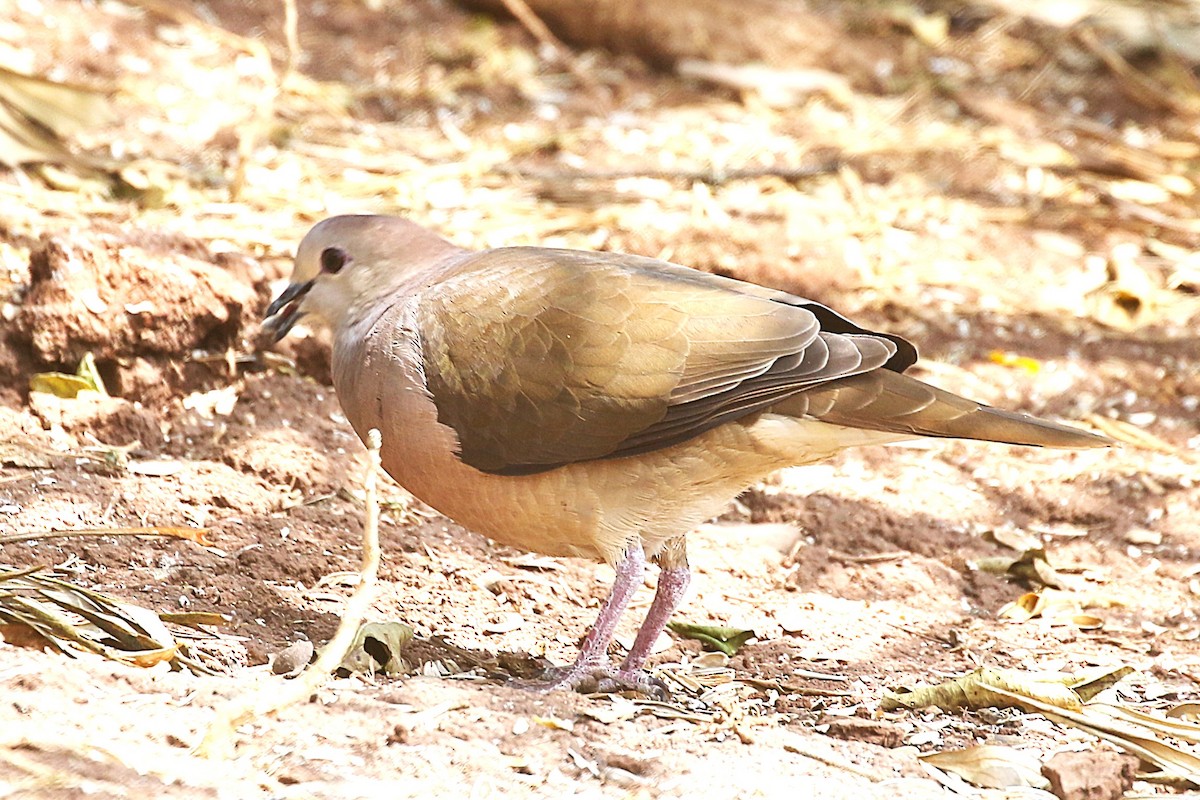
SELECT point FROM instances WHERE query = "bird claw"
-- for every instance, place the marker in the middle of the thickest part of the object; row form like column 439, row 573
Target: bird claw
column 638, row 681
column 596, row 678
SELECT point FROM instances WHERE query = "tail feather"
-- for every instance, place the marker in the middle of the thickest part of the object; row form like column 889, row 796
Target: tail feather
column 883, row 400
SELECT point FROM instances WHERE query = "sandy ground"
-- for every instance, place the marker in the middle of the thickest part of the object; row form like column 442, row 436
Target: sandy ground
column 1021, row 286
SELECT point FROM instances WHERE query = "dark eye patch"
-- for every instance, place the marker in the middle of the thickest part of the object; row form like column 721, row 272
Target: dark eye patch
column 333, row 259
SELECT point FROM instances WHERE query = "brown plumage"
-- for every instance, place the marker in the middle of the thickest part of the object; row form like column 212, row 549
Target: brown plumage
column 600, row 404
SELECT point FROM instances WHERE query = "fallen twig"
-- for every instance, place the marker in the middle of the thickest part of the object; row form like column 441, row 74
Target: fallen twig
column 712, row 176
column 219, row 740
column 197, row 535
column 532, row 23
column 1135, row 85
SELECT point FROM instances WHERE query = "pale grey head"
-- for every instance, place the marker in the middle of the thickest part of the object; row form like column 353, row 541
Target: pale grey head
column 346, row 263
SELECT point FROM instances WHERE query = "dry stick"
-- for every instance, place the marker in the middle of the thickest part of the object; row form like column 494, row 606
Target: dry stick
column 524, row 14
column 198, row 535
column 800, row 748
column 219, row 741
column 262, row 119
column 291, row 35
column 714, row 177
column 1137, row 86
column 265, row 113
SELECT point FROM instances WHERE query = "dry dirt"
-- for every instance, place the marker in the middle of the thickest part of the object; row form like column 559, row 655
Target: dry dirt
column 1023, row 286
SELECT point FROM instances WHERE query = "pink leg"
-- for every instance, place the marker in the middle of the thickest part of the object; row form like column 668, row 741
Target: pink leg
column 593, row 653
column 672, row 584
column 673, row 579
column 630, row 572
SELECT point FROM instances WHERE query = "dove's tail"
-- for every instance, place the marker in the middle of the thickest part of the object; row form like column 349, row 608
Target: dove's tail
column 882, row 400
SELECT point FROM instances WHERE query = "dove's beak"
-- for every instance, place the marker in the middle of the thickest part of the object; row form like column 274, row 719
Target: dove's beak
column 285, row 310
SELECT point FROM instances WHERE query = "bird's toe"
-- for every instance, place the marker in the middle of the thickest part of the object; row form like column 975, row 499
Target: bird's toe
column 596, row 679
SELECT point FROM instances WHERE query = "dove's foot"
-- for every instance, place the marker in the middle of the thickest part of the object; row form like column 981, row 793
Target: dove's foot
column 596, row 678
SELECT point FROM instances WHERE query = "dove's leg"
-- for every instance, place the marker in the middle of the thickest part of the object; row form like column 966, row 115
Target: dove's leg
column 673, row 579
column 631, row 570
column 591, row 666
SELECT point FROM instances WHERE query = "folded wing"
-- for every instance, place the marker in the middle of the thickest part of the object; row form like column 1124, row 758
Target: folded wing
column 539, row 358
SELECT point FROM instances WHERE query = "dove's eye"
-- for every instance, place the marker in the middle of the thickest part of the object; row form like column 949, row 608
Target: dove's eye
column 333, row 259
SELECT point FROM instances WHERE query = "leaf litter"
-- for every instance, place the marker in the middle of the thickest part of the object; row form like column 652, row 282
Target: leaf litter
column 42, row 610
column 468, row 193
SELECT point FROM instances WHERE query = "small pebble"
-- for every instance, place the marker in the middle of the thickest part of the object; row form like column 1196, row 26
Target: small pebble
column 1097, row 775
column 292, row 658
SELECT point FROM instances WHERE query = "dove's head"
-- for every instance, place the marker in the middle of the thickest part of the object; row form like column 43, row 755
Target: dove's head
column 346, row 265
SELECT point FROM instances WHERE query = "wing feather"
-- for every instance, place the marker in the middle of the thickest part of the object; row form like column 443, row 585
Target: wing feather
column 539, row 358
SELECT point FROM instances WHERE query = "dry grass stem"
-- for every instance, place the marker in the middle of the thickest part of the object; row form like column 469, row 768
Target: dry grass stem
column 219, row 741
column 532, row 23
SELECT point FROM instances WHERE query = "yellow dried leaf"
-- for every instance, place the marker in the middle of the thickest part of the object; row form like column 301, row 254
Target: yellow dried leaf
column 86, row 379
column 977, row 689
column 1005, row 359
column 148, row 658
column 1025, row 607
column 60, row 384
column 554, row 723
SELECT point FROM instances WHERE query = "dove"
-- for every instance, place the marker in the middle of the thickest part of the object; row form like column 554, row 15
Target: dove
column 598, row 404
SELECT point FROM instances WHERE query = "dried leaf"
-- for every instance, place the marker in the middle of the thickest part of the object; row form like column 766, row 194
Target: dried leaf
column 618, row 708
column 1059, row 607
column 1089, row 683
column 976, row 690
column 555, row 724
column 1025, row 607
column 65, row 617
column 86, row 379
column 59, row 384
column 1031, row 567
column 1133, row 435
column 194, row 619
column 1005, row 359
column 1087, row 622
column 35, row 115
column 992, row 766
column 726, row 640
column 1189, row 712
column 150, row 658
column 1183, row 730
column 1013, row 538
column 1130, row 730
column 378, row 647
column 1045, row 574
column 995, row 565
